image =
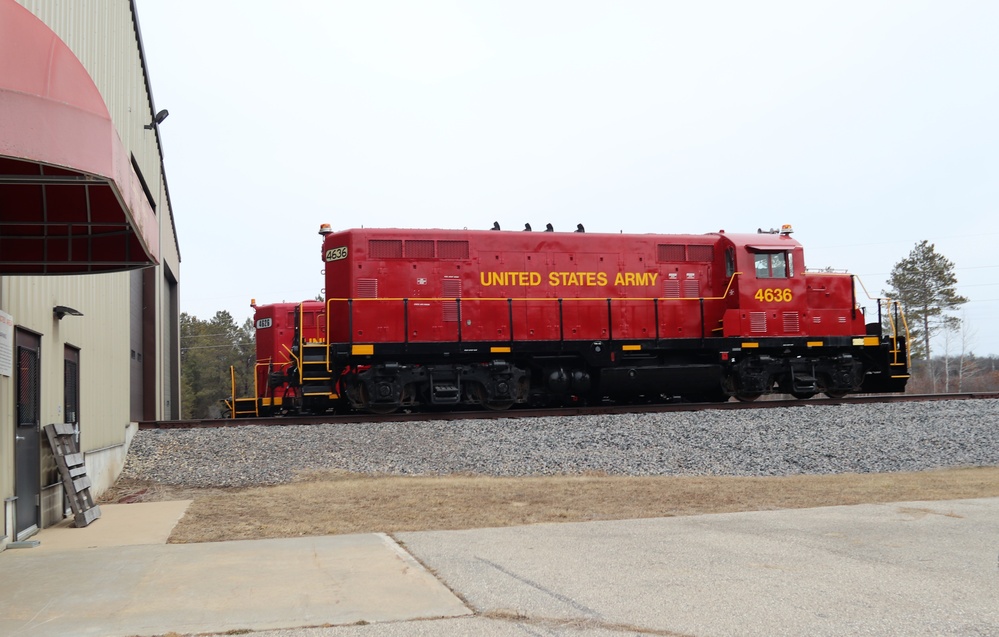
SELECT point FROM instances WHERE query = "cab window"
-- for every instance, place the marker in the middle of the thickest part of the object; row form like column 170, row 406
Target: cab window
column 773, row 265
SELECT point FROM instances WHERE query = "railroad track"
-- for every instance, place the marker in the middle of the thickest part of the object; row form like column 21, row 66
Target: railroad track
column 516, row 413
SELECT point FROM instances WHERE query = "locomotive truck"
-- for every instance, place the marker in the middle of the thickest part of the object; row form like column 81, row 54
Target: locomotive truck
column 423, row 318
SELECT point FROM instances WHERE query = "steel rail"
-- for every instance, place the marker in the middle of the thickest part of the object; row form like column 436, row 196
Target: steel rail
column 528, row 412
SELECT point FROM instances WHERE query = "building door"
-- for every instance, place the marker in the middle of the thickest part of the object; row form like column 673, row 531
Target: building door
column 27, row 435
column 71, row 385
column 136, row 339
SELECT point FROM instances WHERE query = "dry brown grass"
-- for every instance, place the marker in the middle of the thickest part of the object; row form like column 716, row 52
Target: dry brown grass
column 334, row 503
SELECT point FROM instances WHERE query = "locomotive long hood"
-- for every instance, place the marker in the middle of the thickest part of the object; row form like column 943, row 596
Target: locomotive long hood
column 70, row 201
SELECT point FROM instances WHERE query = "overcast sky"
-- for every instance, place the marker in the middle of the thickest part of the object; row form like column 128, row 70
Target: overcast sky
column 869, row 126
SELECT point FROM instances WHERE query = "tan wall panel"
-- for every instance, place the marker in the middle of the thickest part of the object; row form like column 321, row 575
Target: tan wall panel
column 101, row 335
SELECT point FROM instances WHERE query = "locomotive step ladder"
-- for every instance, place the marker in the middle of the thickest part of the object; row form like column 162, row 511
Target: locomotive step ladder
column 315, row 371
column 244, row 407
column 239, row 407
column 445, row 388
column 804, row 382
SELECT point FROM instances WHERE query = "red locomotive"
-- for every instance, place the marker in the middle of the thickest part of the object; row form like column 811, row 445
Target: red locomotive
column 438, row 317
column 282, row 381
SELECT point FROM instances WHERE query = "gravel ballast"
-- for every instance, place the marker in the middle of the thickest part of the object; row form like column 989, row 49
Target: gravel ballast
column 873, row 438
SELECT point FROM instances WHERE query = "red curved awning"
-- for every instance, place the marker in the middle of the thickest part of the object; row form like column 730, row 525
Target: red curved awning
column 70, row 201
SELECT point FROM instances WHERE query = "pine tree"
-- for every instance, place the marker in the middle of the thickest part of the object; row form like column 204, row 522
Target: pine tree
column 925, row 284
column 208, row 349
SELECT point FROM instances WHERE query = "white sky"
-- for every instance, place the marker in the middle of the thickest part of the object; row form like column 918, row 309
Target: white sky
column 869, row 126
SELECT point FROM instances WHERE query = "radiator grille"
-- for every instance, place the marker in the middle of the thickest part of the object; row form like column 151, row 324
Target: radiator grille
column 701, row 253
column 385, row 249
column 419, row 249
column 452, row 249
column 672, row 252
column 758, row 322
column 679, row 253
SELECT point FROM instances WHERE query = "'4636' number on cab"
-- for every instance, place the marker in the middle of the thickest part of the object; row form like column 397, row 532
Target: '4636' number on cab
column 774, row 295
column 336, row 254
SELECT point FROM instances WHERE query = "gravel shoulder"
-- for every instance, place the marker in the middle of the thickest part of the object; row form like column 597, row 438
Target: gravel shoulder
column 258, row 482
column 766, row 442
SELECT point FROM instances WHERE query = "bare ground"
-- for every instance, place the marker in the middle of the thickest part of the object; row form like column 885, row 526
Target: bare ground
column 335, row 503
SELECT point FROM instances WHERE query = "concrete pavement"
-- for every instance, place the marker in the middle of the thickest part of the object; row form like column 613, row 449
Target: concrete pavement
column 920, row 568
column 917, row 568
column 99, row 581
column 119, row 525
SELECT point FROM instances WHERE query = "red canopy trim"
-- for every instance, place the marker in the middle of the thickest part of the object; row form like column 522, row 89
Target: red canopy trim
column 70, row 201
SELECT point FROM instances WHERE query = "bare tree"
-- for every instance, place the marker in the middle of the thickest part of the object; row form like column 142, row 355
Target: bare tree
column 925, row 284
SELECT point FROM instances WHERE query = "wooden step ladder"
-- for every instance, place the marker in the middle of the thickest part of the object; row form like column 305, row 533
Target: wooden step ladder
column 75, row 482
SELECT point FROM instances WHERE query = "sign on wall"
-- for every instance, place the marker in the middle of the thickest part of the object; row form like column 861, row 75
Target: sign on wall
column 6, row 344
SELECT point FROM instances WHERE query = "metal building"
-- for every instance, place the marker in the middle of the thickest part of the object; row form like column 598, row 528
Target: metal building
column 89, row 259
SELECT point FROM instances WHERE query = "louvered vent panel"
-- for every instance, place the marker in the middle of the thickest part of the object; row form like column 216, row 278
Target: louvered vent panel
column 841, row 319
column 452, row 249
column 758, row 322
column 367, row 288
column 691, row 289
column 671, row 289
column 791, row 323
column 452, row 290
column 385, row 249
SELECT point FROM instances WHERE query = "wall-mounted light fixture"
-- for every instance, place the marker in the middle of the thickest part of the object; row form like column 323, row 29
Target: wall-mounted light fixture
column 162, row 115
column 62, row 310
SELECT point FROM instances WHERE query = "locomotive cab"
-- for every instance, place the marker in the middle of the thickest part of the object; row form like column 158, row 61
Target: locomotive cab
column 768, row 295
column 800, row 332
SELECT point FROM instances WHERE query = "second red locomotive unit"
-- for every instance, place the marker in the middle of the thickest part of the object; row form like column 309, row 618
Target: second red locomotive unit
column 496, row 318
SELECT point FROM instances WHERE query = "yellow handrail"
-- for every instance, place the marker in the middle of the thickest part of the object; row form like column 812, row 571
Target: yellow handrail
column 888, row 305
column 232, row 386
column 296, row 360
column 724, row 295
column 301, row 339
column 329, row 301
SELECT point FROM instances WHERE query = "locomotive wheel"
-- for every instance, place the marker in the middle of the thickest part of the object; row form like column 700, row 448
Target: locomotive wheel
column 377, row 408
column 494, row 405
column 382, row 408
column 802, row 395
column 717, row 396
column 835, row 394
column 748, row 397
column 498, row 405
